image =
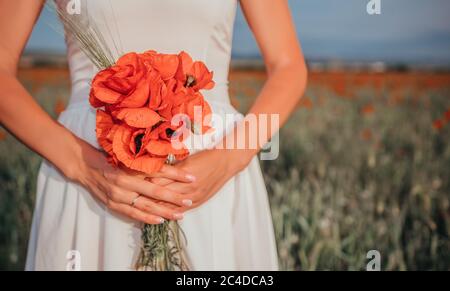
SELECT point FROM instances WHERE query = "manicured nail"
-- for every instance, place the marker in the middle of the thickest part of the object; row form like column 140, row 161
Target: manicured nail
column 178, row 216
column 187, row 203
column 191, row 178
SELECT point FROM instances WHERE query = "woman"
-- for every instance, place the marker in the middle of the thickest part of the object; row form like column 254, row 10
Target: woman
column 218, row 195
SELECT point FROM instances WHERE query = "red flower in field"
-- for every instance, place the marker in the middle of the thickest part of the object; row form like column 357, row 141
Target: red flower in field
column 438, row 124
column 368, row 110
column 366, row 134
column 447, row 115
column 125, row 84
column 340, row 88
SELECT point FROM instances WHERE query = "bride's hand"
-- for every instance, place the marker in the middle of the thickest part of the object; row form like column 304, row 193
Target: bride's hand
column 212, row 170
column 118, row 189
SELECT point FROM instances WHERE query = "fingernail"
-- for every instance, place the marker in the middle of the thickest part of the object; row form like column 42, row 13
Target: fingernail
column 178, row 216
column 187, row 203
column 191, row 178
column 161, row 220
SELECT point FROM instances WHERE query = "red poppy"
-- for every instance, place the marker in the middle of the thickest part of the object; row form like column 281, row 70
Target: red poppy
column 126, row 84
column 194, row 75
column 165, row 64
column 129, row 150
column 142, row 117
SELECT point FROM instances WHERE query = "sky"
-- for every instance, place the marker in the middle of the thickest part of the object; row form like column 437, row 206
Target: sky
column 413, row 31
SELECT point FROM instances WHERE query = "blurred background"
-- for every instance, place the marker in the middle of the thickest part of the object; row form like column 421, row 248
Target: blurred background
column 365, row 160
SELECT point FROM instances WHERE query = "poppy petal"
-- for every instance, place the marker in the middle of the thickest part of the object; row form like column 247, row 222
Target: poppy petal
column 163, row 148
column 185, row 66
column 166, row 65
column 104, row 124
column 147, row 164
column 121, row 144
column 138, row 117
column 102, row 93
column 139, row 97
column 203, row 77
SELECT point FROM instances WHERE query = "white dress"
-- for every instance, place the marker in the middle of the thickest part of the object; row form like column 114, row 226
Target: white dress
column 232, row 231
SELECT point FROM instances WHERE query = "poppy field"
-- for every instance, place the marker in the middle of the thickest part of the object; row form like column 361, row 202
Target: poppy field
column 364, row 165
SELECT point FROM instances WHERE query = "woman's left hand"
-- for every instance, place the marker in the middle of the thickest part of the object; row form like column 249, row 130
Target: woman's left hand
column 212, row 169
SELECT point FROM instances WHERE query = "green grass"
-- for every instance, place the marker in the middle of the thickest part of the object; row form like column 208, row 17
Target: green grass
column 345, row 182
column 335, row 196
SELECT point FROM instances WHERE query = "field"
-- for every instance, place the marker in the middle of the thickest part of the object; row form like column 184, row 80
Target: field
column 364, row 165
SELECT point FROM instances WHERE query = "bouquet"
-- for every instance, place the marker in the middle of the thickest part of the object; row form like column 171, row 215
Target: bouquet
column 139, row 99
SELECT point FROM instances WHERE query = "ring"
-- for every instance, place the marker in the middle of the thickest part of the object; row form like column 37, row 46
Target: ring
column 133, row 203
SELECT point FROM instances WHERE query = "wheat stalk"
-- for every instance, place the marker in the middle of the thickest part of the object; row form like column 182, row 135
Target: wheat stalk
column 89, row 38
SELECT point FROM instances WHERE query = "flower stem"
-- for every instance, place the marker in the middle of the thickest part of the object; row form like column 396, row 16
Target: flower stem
column 162, row 248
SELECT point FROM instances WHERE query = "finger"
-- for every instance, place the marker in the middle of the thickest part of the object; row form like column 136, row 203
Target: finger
column 161, row 210
column 101, row 189
column 161, row 181
column 135, row 213
column 119, row 195
column 189, row 192
column 116, row 193
column 98, row 193
column 181, row 188
column 162, row 194
column 123, row 196
column 147, row 189
column 175, row 174
column 98, row 185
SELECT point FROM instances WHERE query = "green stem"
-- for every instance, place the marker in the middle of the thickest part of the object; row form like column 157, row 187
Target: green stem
column 162, row 249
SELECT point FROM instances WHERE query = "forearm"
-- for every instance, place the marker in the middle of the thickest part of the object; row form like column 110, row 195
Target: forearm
column 25, row 119
column 279, row 97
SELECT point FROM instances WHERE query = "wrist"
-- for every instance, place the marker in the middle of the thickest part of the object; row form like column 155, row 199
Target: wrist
column 236, row 160
column 71, row 162
column 74, row 157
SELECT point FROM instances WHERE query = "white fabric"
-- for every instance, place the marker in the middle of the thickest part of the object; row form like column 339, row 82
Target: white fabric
column 232, row 231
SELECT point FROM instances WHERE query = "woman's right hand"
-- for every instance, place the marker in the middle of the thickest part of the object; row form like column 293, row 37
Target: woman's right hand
column 76, row 159
column 118, row 189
